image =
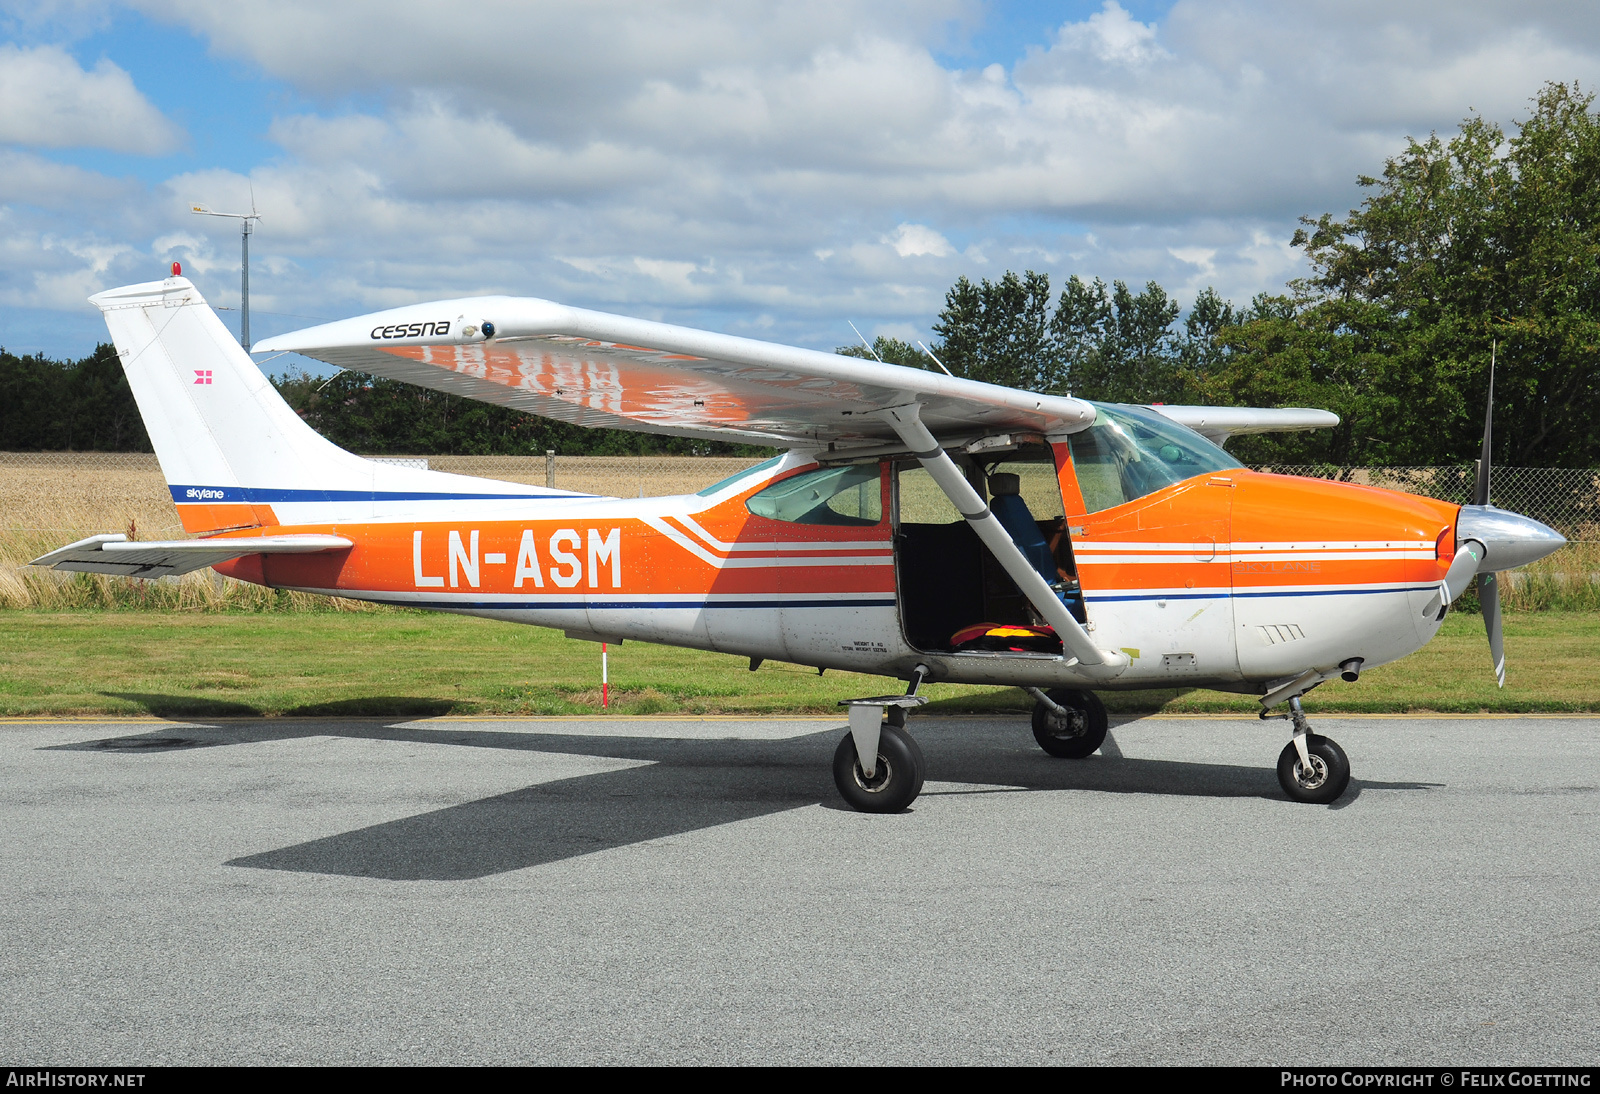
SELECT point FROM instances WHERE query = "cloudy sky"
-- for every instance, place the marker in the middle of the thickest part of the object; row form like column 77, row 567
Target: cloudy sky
column 758, row 168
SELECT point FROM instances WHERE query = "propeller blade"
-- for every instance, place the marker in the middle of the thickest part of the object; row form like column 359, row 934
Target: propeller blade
column 1457, row 578
column 1489, row 595
column 1480, row 488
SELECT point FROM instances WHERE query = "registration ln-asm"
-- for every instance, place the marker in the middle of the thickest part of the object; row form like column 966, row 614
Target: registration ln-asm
column 917, row 526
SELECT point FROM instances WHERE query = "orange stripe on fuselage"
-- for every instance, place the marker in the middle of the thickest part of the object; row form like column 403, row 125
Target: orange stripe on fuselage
column 215, row 517
column 1262, row 531
column 572, row 555
column 1238, row 530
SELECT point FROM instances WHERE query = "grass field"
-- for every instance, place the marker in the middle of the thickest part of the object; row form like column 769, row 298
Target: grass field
column 393, row 663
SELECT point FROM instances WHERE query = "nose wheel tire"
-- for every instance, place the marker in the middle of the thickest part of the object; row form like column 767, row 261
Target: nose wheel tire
column 1327, row 776
column 1075, row 734
column 894, row 784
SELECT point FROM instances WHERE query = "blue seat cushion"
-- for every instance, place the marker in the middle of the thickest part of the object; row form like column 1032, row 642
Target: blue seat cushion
column 1012, row 513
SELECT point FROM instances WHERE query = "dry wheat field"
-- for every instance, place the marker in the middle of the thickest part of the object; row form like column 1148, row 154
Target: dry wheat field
column 50, row 499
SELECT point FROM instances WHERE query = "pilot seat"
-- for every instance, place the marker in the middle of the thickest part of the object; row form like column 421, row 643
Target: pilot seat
column 1014, row 516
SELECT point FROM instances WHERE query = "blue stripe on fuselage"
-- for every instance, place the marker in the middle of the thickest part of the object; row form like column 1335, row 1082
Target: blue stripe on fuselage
column 1093, row 598
column 200, row 495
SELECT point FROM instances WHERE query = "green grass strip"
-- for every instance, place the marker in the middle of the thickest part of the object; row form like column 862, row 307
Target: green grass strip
column 411, row 663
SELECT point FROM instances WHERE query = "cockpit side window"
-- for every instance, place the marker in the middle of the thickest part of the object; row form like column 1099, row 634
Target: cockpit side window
column 851, row 495
column 1132, row 451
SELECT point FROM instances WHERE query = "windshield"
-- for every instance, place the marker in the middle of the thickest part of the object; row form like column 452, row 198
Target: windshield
column 1131, row 451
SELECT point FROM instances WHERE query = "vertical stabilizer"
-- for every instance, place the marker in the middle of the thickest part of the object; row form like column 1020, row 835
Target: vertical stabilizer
column 213, row 418
column 230, row 447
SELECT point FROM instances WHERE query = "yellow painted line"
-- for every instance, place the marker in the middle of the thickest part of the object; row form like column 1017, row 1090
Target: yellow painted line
column 119, row 719
column 1117, row 719
column 1317, row 715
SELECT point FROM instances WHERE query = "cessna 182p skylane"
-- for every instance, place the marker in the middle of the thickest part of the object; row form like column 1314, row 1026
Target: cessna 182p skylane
column 917, row 526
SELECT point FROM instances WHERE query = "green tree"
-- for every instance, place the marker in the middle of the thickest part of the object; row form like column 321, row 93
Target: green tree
column 1120, row 346
column 1482, row 242
column 1097, row 341
column 83, row 405
column 891, row 351
column 999, row 332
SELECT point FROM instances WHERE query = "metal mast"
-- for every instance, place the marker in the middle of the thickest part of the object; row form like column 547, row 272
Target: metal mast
column 246, row 226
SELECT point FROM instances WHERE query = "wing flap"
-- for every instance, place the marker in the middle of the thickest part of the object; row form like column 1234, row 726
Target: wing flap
column 596, row 369
column 116, row 554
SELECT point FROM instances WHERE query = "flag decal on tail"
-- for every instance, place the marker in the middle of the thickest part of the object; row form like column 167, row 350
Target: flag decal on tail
column 202, row 376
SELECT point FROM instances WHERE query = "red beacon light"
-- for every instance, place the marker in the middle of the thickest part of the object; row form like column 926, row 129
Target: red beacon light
column 177, row 269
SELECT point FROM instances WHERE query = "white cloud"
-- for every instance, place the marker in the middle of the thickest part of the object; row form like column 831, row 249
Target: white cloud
column 30, row 179
column 918, row 239
column 48, row 101
column 1111, row 34
column 743, row 164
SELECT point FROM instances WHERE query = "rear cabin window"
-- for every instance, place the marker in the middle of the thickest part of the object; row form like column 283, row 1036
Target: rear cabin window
column 716, row 487
column 851, row 496
column 1037, row 480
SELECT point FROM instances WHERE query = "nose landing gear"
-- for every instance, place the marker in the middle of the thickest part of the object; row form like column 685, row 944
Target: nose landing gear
column 1311, row 768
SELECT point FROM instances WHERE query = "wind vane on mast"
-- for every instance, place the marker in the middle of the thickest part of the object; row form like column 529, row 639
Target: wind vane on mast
column 246, row 226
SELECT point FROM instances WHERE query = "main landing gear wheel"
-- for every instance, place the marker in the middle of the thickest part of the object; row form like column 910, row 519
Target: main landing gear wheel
column 894, row 784
column 1077, row 732
column 1319, row 782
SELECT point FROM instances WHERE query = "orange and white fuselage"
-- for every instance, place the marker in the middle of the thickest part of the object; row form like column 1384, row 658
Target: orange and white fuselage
column 1199, row 583
column 1186, row 570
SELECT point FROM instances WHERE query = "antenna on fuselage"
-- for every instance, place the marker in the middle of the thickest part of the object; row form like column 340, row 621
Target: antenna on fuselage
column 936, row 361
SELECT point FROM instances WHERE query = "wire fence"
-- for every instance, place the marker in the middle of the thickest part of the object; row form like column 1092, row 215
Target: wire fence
column 1567, row 499
column 53, row 491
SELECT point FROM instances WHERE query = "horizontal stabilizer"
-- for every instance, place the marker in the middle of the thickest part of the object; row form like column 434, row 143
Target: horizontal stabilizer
column 1218, row 423
column 116, row 554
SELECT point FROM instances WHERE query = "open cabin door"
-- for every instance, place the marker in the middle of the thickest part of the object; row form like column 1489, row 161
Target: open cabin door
column 949, row 582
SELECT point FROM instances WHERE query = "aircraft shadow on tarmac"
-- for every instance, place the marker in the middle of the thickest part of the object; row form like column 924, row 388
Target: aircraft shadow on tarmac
column 683, row 786
column 376, row 706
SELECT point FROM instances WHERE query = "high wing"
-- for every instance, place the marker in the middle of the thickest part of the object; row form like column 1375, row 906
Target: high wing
column 595, row 369
column 1218, row 423
column 116, row 554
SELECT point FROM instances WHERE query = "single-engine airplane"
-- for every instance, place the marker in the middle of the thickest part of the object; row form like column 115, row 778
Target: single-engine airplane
column 917, row 525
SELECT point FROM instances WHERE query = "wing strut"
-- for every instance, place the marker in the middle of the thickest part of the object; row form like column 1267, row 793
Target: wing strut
column 1074, row 639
